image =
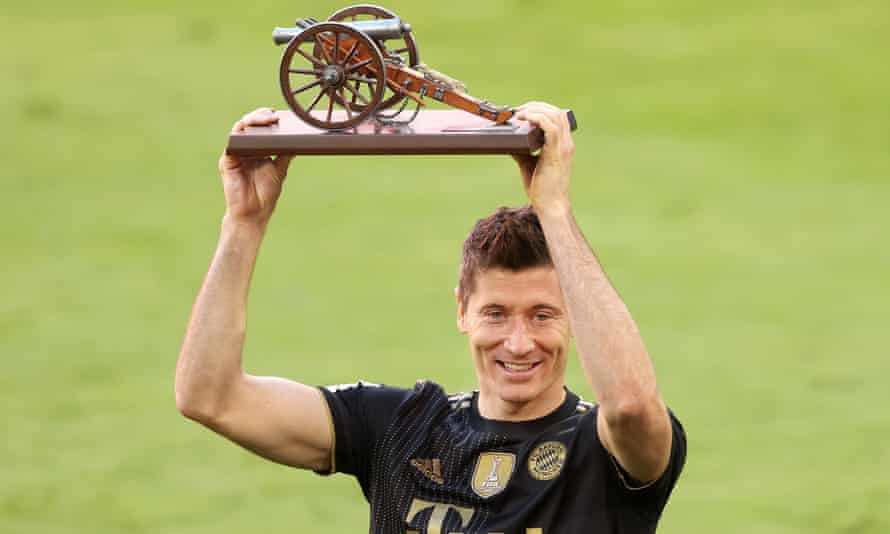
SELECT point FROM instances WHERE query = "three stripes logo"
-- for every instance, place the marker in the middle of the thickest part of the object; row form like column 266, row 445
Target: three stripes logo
column 432, row 469
column 546, row 460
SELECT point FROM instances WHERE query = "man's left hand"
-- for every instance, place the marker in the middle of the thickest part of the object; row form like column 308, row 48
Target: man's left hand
column 546, row 176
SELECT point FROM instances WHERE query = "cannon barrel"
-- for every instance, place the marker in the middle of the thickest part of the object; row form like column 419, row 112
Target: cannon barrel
column 284, row 35
column 380, row 29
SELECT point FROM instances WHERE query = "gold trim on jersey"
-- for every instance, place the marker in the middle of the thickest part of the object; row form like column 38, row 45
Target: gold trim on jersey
column 492, row 473
column 624, row 481
column 327, row 407
column 546, row 460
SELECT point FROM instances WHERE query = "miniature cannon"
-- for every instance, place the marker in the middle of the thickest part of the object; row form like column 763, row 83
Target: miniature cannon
column 363, row 61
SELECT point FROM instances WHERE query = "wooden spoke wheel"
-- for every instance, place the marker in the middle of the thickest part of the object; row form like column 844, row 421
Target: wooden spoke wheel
column 404, row 48
column 327, row 65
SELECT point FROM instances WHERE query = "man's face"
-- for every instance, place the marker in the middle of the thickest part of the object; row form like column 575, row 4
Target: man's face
column 519, row 336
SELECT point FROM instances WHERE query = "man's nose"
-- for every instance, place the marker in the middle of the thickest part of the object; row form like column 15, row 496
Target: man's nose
column 518, row 341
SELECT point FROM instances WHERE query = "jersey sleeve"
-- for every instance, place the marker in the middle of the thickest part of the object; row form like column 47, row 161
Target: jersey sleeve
column 649, row 499
column 359, row 413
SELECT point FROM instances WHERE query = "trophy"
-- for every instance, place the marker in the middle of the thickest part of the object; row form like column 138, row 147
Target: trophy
column 349, row 82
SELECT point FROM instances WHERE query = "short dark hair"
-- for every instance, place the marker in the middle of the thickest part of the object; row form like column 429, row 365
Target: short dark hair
column 510, row 238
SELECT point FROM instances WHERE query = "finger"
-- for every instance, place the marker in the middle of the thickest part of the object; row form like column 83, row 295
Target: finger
column 553, row 113
column 257, row 117
column 261, row 111
column 538, row 106
column 559, row 115
column 568, row 143
column 255, row 120
column 262, row 116
column 566, row 124
column 525, row 161
column 546, row 121
column 553, row 136
column 228, row 163
column 527, row 165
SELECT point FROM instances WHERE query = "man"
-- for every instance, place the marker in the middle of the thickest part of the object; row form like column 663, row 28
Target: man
column 521, row 455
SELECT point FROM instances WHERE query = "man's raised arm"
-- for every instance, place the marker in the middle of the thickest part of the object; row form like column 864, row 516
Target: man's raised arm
column 633, row 423
column 279, row 419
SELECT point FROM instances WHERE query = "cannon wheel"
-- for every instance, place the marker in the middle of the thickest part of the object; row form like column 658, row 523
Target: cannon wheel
column 405, row 48
column 308, row 80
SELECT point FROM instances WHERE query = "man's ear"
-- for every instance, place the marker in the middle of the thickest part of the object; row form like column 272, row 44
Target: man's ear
column 461, row 312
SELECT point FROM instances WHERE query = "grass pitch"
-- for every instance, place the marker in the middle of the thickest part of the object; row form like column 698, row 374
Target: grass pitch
column 732, row 172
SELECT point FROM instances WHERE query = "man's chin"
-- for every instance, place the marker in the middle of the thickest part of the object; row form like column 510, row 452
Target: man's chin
column 518, row 394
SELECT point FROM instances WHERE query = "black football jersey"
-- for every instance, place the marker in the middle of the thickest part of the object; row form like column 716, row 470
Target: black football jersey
column 430, row 464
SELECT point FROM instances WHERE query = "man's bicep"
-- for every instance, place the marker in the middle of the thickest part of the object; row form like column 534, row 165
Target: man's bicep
column 279, row 419
column 641, row 446
column 648, row 498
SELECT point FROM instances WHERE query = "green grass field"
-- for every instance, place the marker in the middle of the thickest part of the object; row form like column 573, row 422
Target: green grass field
column 732, row 172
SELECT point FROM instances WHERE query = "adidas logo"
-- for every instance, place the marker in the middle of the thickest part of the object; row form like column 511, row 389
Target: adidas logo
column 432, row 469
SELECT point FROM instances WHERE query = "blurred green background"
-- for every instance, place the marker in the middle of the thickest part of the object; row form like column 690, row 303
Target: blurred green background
column 732, row 172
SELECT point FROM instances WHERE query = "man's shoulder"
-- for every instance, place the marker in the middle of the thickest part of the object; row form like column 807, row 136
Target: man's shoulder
column 460, row 401
column 337, row 388
column 423, row 393
column 433, row 396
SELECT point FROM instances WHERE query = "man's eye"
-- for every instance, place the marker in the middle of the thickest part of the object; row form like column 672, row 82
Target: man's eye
column 541, row 316
column 494, row 315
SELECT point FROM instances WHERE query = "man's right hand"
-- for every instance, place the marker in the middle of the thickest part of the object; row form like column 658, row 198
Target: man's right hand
column 252, row 185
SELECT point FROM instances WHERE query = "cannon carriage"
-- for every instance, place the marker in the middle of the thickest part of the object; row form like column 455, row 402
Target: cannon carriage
column 363, row 63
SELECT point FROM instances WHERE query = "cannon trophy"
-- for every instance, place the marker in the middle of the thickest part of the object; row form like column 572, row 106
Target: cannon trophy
column 361, row 63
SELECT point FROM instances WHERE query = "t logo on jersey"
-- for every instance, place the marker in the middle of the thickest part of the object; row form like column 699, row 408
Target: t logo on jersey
column 493, row 471
column 437, row 517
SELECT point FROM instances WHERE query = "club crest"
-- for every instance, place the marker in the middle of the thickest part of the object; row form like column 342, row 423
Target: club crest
column 546, row 460
column 492, row 473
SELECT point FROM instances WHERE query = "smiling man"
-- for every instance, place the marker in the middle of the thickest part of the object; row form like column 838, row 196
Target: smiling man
column 522, row 455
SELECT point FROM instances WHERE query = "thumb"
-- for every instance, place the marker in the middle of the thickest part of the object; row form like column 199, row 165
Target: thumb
column 281, row 165
column 228, row 163
column 527, row 164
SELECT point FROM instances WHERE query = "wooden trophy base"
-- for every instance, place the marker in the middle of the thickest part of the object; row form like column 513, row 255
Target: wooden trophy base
column 431, row 132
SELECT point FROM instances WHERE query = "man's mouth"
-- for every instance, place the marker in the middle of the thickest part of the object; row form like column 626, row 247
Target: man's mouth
column 513, row 367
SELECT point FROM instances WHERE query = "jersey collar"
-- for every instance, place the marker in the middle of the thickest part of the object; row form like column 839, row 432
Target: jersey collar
column 522, row 429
